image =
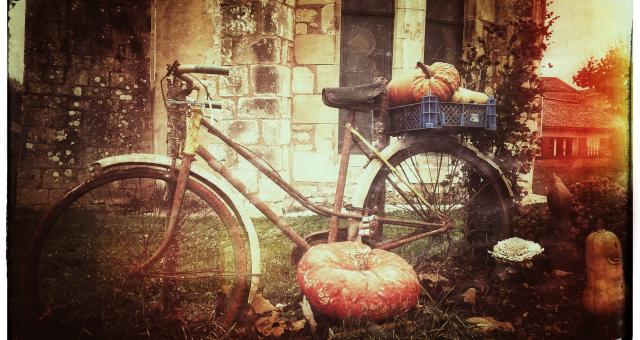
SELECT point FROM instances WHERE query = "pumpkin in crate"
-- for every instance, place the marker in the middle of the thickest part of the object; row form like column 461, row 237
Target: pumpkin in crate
column 604, row 293
column 438, row 79
column 467, row 96
column 351, row 280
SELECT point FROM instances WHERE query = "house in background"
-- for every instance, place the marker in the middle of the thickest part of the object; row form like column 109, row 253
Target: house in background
column 576, row 135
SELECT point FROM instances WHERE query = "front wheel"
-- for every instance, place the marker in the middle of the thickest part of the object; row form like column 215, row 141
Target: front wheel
column 79, row 274
column 459, row 184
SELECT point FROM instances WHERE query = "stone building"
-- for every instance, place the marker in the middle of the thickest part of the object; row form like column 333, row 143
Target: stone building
column 93, row 70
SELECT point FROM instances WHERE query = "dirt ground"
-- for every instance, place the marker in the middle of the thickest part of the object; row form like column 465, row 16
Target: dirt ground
column 540, row 302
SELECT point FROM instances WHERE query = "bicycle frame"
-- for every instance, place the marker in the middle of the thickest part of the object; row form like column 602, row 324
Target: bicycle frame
column 191, row 148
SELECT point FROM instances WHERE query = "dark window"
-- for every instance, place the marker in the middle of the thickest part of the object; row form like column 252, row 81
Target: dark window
column 605, row 147
column 365, row 52
column 556, row 147
column 582, row 147
column 443, row 31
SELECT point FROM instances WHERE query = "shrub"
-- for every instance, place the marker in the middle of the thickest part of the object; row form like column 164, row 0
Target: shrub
column 598, row 202
column 531, row 221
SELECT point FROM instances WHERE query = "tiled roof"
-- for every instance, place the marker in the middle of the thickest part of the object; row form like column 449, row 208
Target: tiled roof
column 564, row 106
column 553, row 84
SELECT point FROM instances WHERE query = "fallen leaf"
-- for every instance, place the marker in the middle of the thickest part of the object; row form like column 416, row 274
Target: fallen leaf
column 261, row 305
column 435, row 278
column 488, row 325
column 271, row 325
column 469, row 296
column 308, row 314
column 298, row 325
column 561, row 273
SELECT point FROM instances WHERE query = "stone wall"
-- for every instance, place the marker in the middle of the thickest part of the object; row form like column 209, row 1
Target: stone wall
column 314, row 133
column 90, row 60
column 86, row 91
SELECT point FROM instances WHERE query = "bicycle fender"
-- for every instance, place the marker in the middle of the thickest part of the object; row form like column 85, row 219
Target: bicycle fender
column 212, row 180
column 366, row 179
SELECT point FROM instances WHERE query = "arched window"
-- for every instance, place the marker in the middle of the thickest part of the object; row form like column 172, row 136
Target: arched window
column 444, row 31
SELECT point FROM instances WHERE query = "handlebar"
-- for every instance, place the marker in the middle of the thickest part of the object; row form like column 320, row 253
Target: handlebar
column 201, row 68
column 181, row 71
column 178, row 70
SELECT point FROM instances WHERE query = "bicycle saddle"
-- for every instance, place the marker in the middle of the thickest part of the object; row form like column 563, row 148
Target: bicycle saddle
column 360, row 98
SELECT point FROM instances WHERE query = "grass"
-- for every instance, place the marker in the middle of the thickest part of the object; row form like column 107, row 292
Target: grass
column 85, row 237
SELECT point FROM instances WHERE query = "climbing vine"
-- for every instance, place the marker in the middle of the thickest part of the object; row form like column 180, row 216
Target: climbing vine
column 504, row 62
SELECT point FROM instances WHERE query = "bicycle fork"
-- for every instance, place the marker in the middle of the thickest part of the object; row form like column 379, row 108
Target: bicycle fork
column 188, row 154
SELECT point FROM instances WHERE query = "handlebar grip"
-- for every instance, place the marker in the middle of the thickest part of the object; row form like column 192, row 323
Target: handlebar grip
column 202, row 68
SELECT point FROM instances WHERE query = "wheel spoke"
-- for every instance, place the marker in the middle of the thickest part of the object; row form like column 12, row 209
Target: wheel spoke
column 456, row 182
column 113, row 223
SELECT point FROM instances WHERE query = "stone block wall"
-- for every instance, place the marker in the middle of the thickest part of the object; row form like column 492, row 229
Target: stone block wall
column 257, row 44
column 314, row 133
column 87, row 60
column 86, row 91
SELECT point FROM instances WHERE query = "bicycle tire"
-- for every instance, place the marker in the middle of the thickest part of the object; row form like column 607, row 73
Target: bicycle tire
column 84, row 247
column 485, row 216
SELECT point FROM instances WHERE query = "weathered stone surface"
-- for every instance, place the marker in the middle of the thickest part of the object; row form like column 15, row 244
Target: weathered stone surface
column 223, row 153
column 277, row 19
column 314, row 2
column 30, row 178
column 409, row 24
column 314, row 167
column 328, row 19
column 266, row 50
column 302, row 140
column 273, row 155
column 315, row 49
column 303, row 80
column 276, row 132
column 244, row 131
column 238, row 19
column 248, row 177
column 412, row 4
column 486, row 10
column 236, row 83
column 327, row 76
column 30, row 197
column 269, row 191
column 226, row 50
column 326, row 137
column 262, row 107
column 271, row 80
column 311, row 109
column 265, row 79
column 301, row 28
column 306, row 15
column 412, row 52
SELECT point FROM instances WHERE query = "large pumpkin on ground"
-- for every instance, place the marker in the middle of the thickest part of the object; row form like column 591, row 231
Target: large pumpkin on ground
column 349, row 279
column 604, row 293
column 438, row 79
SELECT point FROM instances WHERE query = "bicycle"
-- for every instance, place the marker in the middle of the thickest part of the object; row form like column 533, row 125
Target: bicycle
column 149, row 236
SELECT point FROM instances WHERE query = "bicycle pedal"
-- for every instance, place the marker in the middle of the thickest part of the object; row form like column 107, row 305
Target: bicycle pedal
column 364, row 229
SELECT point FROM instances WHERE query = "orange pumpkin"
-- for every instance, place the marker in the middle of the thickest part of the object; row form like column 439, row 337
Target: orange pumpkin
column 439, row 79
column 349, row 279
column 604, row 293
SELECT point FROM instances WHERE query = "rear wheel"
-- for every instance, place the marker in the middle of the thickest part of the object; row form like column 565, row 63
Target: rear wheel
column 456, row 181
column 79, row 272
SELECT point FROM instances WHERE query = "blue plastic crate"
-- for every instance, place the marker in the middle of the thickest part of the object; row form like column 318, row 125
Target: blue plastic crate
column 431, row 113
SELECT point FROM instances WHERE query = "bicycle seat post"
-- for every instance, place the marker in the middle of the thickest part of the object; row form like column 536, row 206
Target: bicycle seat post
column 342, row 178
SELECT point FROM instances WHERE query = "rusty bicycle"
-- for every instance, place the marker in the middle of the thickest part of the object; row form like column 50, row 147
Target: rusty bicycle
column 150, row 235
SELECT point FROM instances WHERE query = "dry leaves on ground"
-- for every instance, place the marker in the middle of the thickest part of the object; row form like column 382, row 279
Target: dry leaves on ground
column 487, row 325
